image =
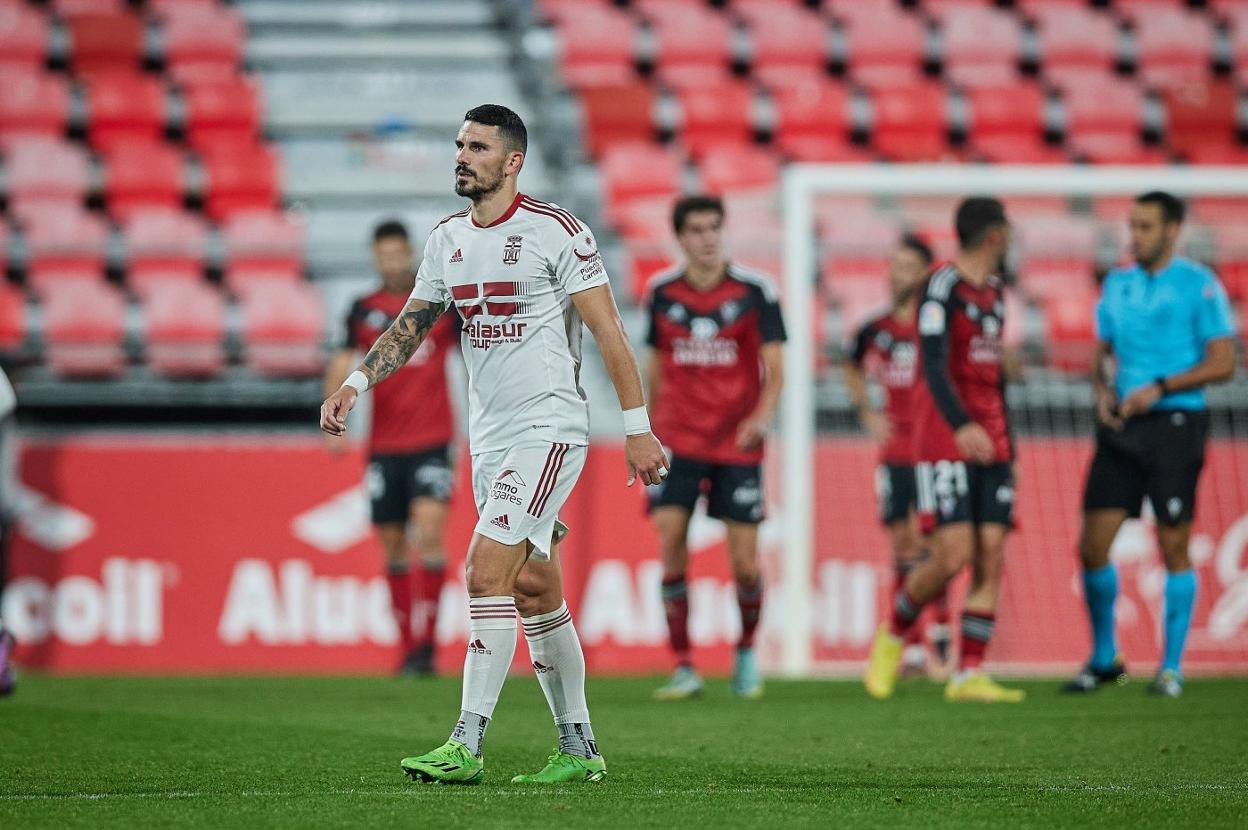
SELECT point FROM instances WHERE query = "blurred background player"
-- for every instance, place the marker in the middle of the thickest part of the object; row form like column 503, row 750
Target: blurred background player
column 409, row 474
column 963, row 453
column 715, row 374
column 1164, row 330
column 8, row 480
column 886, row 348
column 523, row 275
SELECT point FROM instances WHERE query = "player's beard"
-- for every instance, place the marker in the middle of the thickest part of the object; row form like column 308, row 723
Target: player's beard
column 478, row 187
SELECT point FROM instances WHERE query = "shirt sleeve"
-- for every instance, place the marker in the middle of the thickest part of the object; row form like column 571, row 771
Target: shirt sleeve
column 1104, row 323
column 771, row 320
column 1214, row 319
column 862, row 344
column 934, row 345
column 430, row 283
column 349, row 338
column 578, row 266
column 652, row 320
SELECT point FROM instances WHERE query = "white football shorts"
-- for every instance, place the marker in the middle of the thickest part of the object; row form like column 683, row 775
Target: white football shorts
column 519, row 492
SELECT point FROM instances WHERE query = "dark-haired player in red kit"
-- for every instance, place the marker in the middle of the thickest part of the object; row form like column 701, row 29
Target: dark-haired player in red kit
column 963, row 453
column 886, row 349
column 715, row 374
column 409, row 474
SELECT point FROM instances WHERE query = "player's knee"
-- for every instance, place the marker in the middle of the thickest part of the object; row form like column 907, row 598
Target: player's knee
column 485, row 582
column 952, row 562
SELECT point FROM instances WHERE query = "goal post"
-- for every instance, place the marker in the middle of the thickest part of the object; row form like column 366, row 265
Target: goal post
column 802, row 184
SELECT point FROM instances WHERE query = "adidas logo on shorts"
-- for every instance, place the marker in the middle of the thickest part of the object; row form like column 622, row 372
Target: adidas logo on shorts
column 501, row 522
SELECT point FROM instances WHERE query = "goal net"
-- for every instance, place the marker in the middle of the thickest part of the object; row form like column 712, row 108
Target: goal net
column 834, row 562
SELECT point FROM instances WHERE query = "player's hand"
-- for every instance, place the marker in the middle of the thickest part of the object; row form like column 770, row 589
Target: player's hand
column 1107, row 411
column 334, row 410
column 974, row 444
column 878, row 426
column 751, row 433
column 646, row 459
column 1140, row 401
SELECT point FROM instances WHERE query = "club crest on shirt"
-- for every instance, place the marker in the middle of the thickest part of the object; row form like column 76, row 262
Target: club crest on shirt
column 511, row 251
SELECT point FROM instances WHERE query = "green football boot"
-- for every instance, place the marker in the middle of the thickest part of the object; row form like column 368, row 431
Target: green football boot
column 563, row 768
column 450, row 763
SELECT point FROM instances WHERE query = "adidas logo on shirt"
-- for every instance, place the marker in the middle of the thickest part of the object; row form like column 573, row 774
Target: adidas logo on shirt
column 501, row 521
column 458, row 256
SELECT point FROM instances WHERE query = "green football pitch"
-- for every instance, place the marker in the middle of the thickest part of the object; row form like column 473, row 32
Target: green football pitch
column 312, row 753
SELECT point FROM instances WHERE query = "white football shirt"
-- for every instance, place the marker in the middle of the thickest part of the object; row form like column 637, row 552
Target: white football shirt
column 511, row 284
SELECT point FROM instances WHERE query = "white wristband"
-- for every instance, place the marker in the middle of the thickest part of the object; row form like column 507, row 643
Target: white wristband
column 636, row 421
column 358, row 381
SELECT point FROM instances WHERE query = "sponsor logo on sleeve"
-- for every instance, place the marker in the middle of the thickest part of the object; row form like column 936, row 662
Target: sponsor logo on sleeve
column 931, row 318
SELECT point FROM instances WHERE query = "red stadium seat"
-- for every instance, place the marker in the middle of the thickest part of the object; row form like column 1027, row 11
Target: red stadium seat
column 165, row 9
column 41, row 171
column 13, row 320
column 716, row 115
column 84, row 328
column 23, row 36
column 1075, row 36
column 672, row 23
column 854, row 236
column 1004, row 148
column 811, row 110
column 204, row 46
column 885, row 50
column 634, row 171
column 162, row 245
column 226, row 111
column 240, row 178
column 262, row 243
column 64, row 244
column 980, row 42
column 1113, row 148
column 184, row 324
column 1200, row 114
column 1102, row 104
column 75, row 8
column 32, row 101
column 1016, row 110
column 1135, row 11
column 1225, row 153
column 784, row 35
column 1174, row 47
column 141, row 176
column 105, row 42
column 596, row 41
column 726, row 168
column 283, row 329
column 124, row 108
column 871, row 12
column 678, row 78
column 617, row 114
column 1069, row 337
column 822, row 149
column 908, row 123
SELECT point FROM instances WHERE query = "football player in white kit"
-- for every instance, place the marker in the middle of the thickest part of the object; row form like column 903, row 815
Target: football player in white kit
column 523, row 275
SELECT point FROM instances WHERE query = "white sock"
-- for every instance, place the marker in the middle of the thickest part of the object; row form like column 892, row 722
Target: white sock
column 560, row 666
column 491, row 645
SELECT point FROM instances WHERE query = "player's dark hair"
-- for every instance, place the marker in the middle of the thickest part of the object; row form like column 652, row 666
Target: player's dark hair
column 1172, row 207
column 975, row 217
column 694, row 204
column 914, row 243
column 390, row 229
column 510, row 126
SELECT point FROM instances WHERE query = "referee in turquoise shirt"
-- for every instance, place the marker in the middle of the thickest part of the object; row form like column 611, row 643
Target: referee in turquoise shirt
column 1164, row 331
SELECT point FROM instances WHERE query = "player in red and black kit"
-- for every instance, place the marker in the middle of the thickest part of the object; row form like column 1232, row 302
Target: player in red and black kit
column 715, row 374
column 409, row 474
column 886, row 349
column 963, row 453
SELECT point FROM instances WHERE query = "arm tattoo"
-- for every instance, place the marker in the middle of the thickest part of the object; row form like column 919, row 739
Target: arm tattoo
column 399, row 342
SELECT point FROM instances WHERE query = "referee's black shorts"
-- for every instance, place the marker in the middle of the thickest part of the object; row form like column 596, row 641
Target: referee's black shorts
column 1159, row 455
